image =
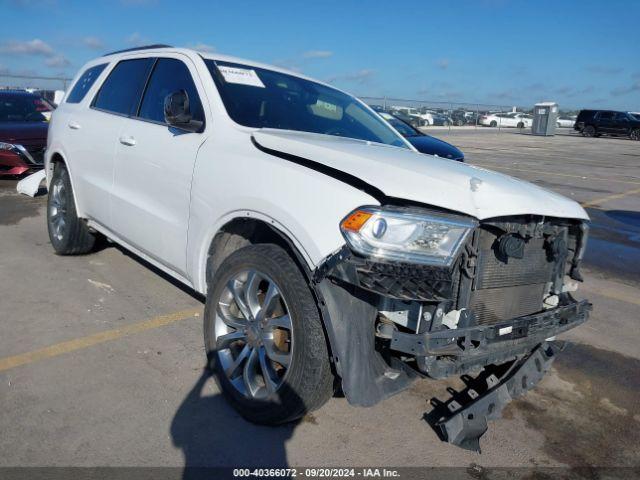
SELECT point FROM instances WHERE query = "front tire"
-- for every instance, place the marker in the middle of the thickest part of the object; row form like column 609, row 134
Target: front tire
column 493, row 123
column 69, row 235
column 635, row 134
column 264, row 337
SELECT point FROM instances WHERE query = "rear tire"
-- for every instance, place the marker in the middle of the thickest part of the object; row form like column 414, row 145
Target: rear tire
column 635, row 134
column 69, row 235
column 493, row 123
column 289, row 379
column 589, row 131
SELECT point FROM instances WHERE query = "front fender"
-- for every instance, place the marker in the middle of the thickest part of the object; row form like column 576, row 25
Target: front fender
column 304, row 205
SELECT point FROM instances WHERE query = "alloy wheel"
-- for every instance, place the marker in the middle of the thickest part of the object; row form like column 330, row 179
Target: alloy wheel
column 58, row 208
column 253, row 334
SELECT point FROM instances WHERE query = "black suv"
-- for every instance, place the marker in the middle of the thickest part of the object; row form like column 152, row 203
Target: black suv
column 593, row 123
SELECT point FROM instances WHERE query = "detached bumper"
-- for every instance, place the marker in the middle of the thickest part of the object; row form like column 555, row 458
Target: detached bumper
column 462, row 420
column 458, row 351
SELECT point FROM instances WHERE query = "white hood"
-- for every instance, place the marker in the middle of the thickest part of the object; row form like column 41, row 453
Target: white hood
column 410, row 175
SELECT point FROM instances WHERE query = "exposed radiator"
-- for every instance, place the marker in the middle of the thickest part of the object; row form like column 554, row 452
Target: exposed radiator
column 512, row 287
column 493, row 305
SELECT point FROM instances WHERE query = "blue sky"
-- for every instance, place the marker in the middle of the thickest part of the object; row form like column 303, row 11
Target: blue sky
column 579, row 53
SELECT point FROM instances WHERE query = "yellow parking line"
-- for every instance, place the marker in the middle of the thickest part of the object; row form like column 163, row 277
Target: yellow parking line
column 553, row 174
column 608, row 198
column 95, row 339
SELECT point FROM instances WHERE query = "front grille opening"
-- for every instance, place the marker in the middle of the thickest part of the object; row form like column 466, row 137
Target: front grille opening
column 504, row 289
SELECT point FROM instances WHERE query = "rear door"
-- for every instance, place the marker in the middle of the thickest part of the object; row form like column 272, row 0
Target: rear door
column 154, row 165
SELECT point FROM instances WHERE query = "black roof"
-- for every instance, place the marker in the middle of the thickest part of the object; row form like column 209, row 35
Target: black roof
column 144, row 47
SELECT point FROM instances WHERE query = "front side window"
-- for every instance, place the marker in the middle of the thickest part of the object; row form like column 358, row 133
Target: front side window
column 260, row 98
column 121, row 91
column 84, row 83
column 169, row 75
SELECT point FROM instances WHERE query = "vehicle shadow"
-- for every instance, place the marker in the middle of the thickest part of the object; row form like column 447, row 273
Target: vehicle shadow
column 211, row 434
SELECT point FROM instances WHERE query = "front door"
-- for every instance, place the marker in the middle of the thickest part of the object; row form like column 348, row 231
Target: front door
column 153, row 167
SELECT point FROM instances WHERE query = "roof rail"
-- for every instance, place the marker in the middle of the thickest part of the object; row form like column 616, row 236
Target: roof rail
column 144, row 47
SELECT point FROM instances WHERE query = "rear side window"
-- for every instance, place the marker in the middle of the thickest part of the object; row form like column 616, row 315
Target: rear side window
column 121, row 91
column 84, row 83
column 605, row 115
column 169, row 75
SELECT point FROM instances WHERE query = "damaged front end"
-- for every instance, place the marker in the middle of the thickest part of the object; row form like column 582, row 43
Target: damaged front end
column 488, row 302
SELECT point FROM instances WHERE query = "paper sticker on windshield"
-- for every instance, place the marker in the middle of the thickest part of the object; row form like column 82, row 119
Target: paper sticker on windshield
column 242, row 76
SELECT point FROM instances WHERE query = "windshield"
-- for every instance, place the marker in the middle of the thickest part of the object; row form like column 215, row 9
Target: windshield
column 23, row 108
column 259, row 98
column 404, row 129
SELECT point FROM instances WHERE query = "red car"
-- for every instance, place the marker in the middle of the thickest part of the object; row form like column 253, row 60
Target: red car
column 23, row 131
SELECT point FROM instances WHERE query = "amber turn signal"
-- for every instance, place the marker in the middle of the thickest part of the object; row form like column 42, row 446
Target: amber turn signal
column 355, row 221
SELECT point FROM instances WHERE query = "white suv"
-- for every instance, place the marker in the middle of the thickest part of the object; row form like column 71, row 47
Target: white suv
column 326, row 245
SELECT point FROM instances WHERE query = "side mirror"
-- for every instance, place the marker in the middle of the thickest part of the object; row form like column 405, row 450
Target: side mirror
column 177, row 112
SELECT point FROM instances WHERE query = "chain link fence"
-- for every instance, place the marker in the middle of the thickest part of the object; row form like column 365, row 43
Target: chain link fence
column 46, row 86
column 426, row 113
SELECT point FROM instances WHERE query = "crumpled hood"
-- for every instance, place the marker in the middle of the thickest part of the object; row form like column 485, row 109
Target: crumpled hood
column 409, row 175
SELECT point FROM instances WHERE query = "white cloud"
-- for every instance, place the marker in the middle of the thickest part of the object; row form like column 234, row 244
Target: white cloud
column 94, row 43
column 360, row 77
column 58, row 61
column 634, row 87
column 137, row 40
column 202, row 47
column 29, row 47
column 317, row 54
column 443, row 63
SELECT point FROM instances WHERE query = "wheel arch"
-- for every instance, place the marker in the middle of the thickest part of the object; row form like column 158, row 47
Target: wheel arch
column 57, row 158
column 250, row 229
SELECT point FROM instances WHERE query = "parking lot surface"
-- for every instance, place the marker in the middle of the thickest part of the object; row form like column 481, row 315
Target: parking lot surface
column 101, row 356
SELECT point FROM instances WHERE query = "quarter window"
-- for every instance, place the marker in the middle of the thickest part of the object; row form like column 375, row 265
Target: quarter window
column 169, row 75
column 121, row 91
column 84, row 83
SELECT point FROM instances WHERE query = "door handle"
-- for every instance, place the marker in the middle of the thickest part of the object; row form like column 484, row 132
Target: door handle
column 128, row 141
column 74, row 126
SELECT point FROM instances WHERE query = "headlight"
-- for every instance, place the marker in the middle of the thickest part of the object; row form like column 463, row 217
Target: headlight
column 405, row 236
column 7, row 146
